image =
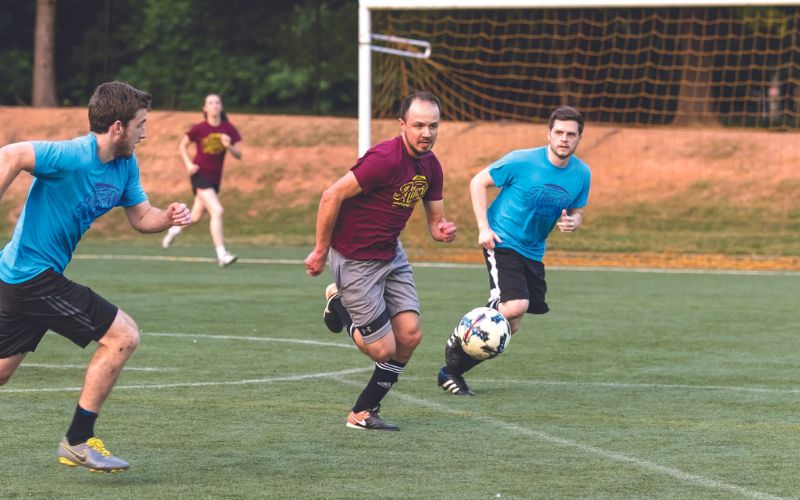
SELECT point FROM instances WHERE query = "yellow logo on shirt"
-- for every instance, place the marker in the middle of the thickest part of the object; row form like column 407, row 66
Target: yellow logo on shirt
column 411, row 192
column 212, row 144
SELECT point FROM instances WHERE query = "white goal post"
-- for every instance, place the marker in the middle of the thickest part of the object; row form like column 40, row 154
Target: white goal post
column 365, row 35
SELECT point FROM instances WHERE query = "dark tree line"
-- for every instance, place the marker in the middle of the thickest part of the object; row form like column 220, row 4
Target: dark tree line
column 269, row 56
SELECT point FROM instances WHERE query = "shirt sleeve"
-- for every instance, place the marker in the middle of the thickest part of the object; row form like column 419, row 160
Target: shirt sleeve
column 194, row 134
column 134, row 192
column 235, row 137
column 371, row 172
column 436, row 185
column 502, row 171
column 583, row 197
column 55, row 160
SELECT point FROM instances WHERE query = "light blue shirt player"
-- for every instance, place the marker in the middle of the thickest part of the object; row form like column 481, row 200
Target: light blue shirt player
column 533, row 195
column 71, row 188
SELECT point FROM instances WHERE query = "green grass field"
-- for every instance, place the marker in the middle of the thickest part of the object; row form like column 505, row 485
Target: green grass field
column 693, row 222
column 636, row 385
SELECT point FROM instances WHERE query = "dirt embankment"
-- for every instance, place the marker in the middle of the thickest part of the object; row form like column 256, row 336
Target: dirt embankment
column 296, row 158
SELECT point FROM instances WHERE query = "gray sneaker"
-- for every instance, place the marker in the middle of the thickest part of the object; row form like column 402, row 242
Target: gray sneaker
column 92, row 455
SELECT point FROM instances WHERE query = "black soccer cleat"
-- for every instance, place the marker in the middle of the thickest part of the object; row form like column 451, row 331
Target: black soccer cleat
column 331, row 318
column 454, row 383
column 369, row 419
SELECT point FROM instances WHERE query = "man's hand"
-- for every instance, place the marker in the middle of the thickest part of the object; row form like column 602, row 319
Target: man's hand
column 448, row 231
column 315, row 262
column 226, row 140
column 179, row 215
column 568, row 223
column 487, row 237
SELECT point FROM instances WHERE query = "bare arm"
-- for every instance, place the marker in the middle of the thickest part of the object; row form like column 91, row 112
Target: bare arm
column 332, row 198
column 571, row 219
column 15, row 158
column 477, row 189
column 235, row 149
column 190, row 166
column 148, row 219
column 440, row 229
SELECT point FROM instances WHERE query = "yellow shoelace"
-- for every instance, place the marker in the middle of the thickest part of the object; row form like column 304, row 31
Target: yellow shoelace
column 98, row 445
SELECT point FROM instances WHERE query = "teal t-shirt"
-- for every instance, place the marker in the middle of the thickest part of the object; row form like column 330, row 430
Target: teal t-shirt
column 71, row 188
column 533, row 192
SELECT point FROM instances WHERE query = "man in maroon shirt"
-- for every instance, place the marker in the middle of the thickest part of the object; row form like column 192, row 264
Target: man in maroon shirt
column 359, row 220
column 213, row 137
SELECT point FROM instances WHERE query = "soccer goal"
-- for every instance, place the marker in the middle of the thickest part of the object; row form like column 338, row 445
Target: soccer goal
column 626, row 62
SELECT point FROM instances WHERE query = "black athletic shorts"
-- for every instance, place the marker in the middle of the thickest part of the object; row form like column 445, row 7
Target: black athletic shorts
column 50, row 301
column 512, row 276
column 200, row 182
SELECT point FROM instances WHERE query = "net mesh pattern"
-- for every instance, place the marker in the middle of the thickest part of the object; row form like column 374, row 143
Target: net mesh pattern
column 635, row 66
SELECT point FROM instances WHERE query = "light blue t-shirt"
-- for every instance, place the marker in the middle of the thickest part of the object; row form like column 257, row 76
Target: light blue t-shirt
column 71, row 189
column 533, row 194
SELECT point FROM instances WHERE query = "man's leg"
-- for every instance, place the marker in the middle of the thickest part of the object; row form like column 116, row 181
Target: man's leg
column 458, row 362
column 116, row 347
column 509, row 285
column 514, row 310
column 79, row 446
column 9, row 365
column 391, row 353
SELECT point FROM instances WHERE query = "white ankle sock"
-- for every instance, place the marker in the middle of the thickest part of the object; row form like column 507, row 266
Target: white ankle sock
column 220, row 251
column 174, row 230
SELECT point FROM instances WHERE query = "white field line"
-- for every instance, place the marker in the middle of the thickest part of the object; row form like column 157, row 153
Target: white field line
column 255, row 339
column 446, row 265
column 625, row 385
column 586, row 448
column 83, row 367
column 202, row 384
column 618, row 385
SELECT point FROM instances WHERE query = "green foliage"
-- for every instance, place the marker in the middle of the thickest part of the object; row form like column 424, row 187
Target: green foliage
column 16, row 52
column 256, row 56
column 297, row 57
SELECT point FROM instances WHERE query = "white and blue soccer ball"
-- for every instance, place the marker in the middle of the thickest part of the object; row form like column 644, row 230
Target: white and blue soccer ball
column 484, row 333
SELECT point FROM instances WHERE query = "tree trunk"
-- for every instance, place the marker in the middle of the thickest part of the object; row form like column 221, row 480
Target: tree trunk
column 694, row 98
column 44, row 71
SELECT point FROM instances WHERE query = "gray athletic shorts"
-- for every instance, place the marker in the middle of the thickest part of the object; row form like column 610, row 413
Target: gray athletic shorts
column 368, row 288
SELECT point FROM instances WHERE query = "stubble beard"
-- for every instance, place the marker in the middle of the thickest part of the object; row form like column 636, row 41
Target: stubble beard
column 415, row 150
column 563, row 157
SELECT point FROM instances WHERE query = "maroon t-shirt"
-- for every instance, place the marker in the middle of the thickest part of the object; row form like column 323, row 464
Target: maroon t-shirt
column 210, row 151
column 392, row 182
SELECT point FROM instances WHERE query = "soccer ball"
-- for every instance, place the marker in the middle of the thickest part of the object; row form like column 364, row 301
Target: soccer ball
column 484, row 333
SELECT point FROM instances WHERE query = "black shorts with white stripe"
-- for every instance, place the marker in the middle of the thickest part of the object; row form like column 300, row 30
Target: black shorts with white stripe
column 512, row 276
column 49, row 301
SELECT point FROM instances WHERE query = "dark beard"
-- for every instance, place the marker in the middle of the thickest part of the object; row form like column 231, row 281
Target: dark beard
column 415, row 150
column 121, row 152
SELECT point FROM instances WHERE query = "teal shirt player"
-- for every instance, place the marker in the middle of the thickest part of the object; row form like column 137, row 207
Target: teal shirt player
column 533, row 194
column 71, row 188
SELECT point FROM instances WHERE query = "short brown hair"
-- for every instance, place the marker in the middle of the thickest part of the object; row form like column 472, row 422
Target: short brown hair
column 114, row 101
column 419, row 96
column 567, row 114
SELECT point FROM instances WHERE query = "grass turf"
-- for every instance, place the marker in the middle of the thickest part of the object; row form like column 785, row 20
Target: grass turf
column 633, row 386
column 687, row 223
